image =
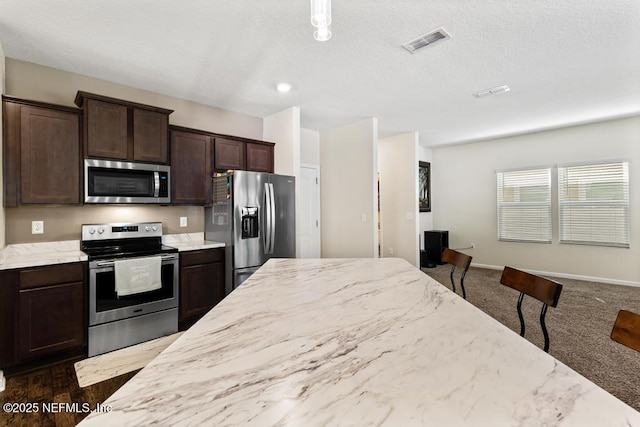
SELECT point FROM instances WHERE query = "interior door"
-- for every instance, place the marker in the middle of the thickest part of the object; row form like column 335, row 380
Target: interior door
column 309, row 212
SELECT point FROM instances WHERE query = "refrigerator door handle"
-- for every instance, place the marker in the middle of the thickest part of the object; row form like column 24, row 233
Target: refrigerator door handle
column 273, row 219
column 266, row 236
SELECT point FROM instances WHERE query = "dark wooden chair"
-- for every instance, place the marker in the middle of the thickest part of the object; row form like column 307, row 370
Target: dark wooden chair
column 626, row 329
column 457, row 259
column 542, row 289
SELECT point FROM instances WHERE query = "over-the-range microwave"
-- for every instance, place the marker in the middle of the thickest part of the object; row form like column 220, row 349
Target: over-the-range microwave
column 108, row 181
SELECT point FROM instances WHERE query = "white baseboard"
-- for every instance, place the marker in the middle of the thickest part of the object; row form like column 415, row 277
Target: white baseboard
column 2, row 381
column 565, row 276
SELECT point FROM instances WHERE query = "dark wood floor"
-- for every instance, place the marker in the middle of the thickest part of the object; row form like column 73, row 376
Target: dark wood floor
column 55, row 384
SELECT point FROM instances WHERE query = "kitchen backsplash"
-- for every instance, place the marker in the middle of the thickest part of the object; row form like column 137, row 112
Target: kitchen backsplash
column 63, row 223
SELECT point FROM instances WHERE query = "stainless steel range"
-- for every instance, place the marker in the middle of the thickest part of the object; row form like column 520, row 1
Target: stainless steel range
column 133, row 284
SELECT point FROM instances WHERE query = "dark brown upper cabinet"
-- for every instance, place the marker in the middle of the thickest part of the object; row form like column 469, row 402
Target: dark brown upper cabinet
column 123, row 130
column 42, row 153
column 190, row 167
column 260, row 157
column 229, row 154
column 243, row 154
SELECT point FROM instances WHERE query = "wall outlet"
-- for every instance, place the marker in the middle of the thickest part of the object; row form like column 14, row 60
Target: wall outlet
column 183, row 221
column 37, row 227
column 363, row 217
column 473, row 245
column 390, row 251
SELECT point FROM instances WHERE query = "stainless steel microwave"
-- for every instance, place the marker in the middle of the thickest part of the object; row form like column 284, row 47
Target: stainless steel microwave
column 108, row 181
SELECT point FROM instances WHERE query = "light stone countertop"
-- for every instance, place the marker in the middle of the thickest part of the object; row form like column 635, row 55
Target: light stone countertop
column 355, row 342
column 189, row 242
column 24, row 255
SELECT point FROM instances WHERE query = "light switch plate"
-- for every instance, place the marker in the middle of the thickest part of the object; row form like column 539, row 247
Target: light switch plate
column 37, row 227
column 183, row 221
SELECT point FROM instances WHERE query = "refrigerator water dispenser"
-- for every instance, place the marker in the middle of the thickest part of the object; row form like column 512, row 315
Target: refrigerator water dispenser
column 249, row 222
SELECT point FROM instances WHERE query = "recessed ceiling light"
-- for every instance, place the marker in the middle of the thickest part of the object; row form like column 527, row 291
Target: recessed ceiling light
column 283, row 87
column 492, row 91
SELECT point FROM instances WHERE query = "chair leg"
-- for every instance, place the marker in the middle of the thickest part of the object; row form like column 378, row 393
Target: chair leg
column 520, row 314
column 464, row 293
column 544, row 327
column 453, row 284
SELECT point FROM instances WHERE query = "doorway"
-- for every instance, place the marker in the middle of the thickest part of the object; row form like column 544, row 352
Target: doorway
column 309, row 211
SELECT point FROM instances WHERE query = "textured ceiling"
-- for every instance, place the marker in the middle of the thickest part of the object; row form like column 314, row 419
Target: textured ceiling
column 566, row 62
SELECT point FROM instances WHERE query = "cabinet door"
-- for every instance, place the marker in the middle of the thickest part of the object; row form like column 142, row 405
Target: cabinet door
column 51, row 319
column 49, row 156
column 259, row 157
column 106, row 130
column 190, row 168
column 150, row 136
column 8, row 311
column 201, row 288
column 229, row 154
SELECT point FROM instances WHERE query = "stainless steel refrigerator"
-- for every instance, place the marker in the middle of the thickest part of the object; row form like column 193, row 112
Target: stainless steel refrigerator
column 253, row 213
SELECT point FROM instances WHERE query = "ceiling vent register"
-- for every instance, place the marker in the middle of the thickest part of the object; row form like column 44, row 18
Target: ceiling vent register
column 426, row 40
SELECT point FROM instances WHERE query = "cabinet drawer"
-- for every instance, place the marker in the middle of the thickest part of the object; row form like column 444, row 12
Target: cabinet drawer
column 205, row 256
column 51, row 275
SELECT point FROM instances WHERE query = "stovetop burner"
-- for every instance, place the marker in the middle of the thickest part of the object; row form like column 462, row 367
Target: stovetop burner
column 110, row 241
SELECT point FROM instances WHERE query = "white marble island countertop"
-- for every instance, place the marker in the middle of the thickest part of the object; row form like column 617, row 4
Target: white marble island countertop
column 355, row 342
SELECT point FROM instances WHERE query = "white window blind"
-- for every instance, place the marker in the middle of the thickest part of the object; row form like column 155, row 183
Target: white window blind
column 524, row 205
column 593, row 202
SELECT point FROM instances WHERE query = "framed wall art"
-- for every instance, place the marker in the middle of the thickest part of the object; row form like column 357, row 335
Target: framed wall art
column 424, row 196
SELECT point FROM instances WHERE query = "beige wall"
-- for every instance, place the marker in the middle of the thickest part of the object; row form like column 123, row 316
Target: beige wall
column 39, row 83
column 398, row 166
column 31, row 81
column 63, row 223
column 348, row 157
column 464, row 198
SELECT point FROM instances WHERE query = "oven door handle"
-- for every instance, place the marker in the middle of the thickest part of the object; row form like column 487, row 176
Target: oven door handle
column 110, row 263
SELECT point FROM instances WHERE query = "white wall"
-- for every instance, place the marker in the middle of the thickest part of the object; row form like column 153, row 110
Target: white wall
column 464, row 198
column 309, row 147
column 398, row 166
column 283, row 128
column 348, row 157
column 426, row 218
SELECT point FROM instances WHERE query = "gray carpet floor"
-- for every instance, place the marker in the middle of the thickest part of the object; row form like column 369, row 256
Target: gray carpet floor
column 579, row 327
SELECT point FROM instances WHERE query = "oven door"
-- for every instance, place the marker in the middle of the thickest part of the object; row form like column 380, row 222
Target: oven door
column 105, row 306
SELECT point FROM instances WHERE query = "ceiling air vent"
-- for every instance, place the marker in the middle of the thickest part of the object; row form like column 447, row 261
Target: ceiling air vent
column 427, row 40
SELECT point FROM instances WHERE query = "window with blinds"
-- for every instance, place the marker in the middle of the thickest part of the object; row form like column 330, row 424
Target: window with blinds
column 593, row 204
column 524, row 205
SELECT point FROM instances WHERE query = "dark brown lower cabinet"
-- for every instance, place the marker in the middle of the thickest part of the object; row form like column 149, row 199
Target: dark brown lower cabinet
column 43, row 312
column 201, row 282
column 50, row 319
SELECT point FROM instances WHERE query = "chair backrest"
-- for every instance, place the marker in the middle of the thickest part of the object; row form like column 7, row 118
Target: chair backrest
column 457, row 259
column 538, row 287
column 626, row 329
